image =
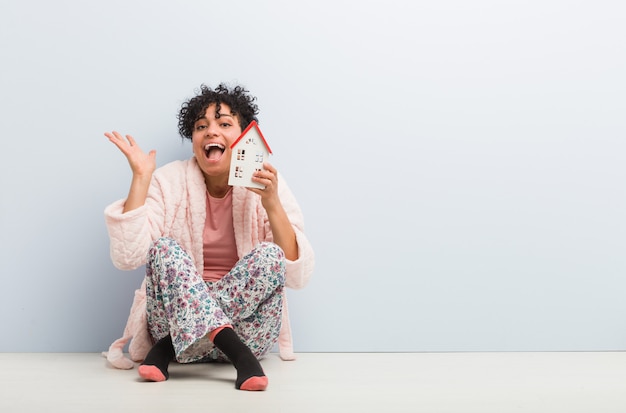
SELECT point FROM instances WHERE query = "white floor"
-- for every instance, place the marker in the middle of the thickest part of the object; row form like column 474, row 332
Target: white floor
column 326, row 382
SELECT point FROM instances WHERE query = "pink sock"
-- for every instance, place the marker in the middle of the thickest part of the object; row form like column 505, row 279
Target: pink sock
column 151, row 373
column 254, row 384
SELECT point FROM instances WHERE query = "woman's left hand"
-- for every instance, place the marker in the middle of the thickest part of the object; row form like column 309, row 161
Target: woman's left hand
column 268, row 177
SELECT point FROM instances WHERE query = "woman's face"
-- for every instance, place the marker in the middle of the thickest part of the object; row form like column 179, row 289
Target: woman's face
column 211, row 140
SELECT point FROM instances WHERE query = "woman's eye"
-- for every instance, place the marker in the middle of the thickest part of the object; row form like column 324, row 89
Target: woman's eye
column 200, row 127
column 225, row 125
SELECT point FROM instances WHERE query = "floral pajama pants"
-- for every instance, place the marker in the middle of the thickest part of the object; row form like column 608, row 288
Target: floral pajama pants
column 182, row 304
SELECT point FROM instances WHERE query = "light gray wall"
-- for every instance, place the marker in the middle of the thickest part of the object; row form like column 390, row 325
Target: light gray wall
column 461, row 165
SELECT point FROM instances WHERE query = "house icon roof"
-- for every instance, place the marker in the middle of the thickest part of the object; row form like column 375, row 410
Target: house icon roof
column 252, row 127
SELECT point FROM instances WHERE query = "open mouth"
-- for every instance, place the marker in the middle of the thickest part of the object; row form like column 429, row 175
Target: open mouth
column 214, row 151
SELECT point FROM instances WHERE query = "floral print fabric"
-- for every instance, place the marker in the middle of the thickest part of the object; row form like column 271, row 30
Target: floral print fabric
column 179, row 302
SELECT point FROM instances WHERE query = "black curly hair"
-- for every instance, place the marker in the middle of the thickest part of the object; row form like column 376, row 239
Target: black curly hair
column 238, row 98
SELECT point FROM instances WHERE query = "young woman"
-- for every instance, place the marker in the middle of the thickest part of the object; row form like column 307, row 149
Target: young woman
column 217, row 257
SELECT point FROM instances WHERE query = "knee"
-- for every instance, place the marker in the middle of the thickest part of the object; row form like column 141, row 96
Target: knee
column 274, row 257
column 161, row 246
column 164, row 249
column 271, row 249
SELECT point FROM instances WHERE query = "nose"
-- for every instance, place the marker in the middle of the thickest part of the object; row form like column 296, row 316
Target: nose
column 212, row 129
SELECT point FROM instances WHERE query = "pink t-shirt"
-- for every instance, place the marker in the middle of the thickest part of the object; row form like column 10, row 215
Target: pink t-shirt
column 220, row 249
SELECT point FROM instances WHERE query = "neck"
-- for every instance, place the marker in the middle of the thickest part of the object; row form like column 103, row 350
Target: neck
column 217, row 188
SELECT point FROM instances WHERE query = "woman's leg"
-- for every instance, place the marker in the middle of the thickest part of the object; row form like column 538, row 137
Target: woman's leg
column 252, row 291
column 179, row 306
column 251, row 295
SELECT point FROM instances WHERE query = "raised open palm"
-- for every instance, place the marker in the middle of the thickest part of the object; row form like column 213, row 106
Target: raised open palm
column 142, row 164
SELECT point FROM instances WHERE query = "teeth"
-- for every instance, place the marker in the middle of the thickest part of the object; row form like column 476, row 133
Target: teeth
column 214, row 145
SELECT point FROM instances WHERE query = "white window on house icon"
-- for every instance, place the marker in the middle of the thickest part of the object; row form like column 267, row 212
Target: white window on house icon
column 259, row 157
column 241, row 153
column 238, row 172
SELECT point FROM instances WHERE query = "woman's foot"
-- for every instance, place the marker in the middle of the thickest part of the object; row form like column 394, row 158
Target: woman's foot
column 250, row 375
column 154, row 366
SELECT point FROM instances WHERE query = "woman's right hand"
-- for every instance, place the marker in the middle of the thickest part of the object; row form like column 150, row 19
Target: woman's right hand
column 142, row 164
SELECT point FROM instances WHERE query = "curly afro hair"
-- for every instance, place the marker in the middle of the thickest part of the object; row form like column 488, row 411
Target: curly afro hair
column 239, row 100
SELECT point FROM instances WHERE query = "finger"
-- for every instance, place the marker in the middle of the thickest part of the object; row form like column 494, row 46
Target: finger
column 131, row 140
column 115, row 139
column 118, row 140
column 111, row 135
column 263, row 177
column 268, row 167
column 268, row 183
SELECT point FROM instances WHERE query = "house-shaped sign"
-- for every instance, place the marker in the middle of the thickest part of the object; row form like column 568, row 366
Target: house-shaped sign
column 249, row 152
